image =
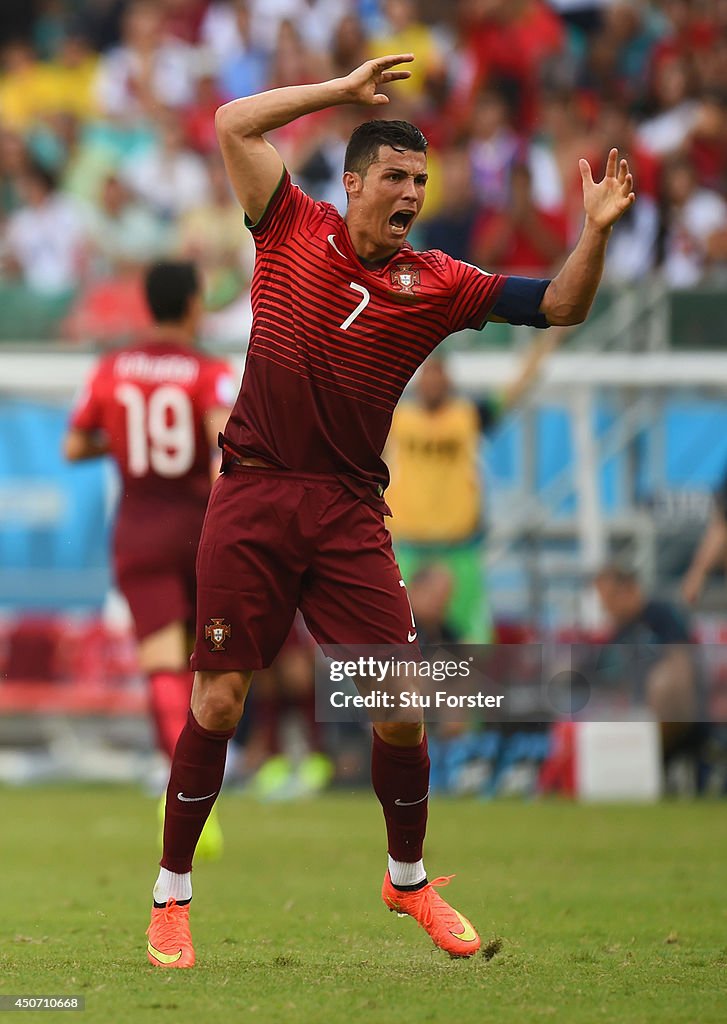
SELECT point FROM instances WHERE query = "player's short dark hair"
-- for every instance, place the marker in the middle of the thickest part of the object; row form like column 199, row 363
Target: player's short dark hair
column 621, row 573
column 170, row 285
column 366, row 140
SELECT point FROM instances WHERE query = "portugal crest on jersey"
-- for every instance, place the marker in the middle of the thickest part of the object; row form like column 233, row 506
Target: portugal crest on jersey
column 403, row 277
column 217, row 631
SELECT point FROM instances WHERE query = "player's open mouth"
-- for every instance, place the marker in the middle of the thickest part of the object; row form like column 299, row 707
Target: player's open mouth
column 400, row 221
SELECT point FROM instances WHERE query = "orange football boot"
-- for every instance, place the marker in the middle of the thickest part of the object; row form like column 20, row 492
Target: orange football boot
column 446, row 926
column 170, row 940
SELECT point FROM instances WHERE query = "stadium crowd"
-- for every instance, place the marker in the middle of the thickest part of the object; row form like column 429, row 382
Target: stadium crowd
column 108, row 156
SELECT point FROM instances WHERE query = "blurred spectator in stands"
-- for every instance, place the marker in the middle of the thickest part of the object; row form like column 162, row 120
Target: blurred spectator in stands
column 45, row 238
column 553, row 158
column 689, row 31
column 219, row 31
column 49, row 26
column 664, row 680
column 349, row 46
column 244, row 69
column 145, row 71
column 617, row 62
column 75, row 69
column 182, row 19
column 292, row 62
column 707, row 142
column 521, row 239
column 170, row 177
column 318, row 163
column 452, row 229
column 27, row 86
column 13, row 163
column 436, row 493
column 84, row 154
column 199, row 117
column 615, row 126
column 676, row 109
column 632, row 248
column 508, row 41
column 634, row 616
column 597, row 75
column 266, row 18
column 694, row 219
column 632, row 30
column 493, row 148
column 711, row 67
column 405, row 33
column 122, row 232
column 253, row 26
column 214, row 236
column 316, row 20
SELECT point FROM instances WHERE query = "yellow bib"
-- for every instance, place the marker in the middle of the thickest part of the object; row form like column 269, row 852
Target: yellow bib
column 435, row 491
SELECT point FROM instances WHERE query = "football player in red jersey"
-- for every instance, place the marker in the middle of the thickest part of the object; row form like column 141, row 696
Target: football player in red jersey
column 344, row 310
column 157, row 407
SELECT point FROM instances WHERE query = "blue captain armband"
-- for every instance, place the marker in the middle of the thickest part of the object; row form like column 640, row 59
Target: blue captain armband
column 519, row 302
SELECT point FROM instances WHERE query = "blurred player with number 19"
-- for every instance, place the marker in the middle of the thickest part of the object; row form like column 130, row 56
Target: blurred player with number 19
column 157, row 407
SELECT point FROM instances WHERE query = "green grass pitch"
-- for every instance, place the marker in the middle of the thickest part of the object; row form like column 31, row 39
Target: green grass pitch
column 604, row 914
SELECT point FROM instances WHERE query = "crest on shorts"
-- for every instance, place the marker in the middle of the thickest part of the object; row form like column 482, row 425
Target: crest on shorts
column 403, row 277
column 217, row 631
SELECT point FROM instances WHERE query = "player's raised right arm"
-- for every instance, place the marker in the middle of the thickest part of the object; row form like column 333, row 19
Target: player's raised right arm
column 254, row 167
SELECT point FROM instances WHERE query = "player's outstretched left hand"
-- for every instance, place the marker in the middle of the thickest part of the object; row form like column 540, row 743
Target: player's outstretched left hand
column 362, row 85
column 605, row 201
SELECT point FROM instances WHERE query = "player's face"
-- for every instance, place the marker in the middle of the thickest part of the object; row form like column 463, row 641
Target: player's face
column 392, row 195
column 619, row 600
column 433, row 384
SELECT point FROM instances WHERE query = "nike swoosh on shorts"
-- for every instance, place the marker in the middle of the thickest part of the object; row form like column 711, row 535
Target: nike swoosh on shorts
column 411, row 803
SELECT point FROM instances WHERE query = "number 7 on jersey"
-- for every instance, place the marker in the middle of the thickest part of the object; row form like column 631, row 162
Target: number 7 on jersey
column 361, row 306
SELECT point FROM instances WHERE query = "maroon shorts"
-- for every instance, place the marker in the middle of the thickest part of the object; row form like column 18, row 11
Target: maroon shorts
column 274, row 541
column 155, row 548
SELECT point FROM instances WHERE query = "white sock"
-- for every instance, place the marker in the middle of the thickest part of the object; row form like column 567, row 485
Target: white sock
column 170, row 886
column 404, row 873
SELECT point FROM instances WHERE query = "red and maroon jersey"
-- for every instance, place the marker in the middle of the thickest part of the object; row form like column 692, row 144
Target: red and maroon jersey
column 334, row 343
column 150, row 400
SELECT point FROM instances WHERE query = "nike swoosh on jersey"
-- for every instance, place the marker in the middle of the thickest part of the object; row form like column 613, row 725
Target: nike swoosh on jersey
column 332, row 240
column 411, row 637
column 412, row 803
column 193, row 799
column 163, row 958
column 468, row 934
